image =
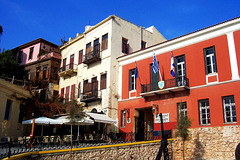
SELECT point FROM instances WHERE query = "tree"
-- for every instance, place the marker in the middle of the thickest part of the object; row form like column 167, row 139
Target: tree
column 75, row 113
column 8, row 66
column 183, row 123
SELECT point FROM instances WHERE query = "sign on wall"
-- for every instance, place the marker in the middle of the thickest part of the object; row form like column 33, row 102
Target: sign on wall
column 128, row 120
column 165, row 117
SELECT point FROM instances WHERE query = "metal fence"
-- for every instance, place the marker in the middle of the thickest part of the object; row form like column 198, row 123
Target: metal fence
column 9, row 147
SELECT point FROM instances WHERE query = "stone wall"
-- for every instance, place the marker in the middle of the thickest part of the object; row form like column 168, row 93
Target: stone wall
column 209, row 143
column 139, row 151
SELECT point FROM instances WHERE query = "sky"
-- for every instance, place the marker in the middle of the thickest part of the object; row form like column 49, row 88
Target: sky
column 26, row 20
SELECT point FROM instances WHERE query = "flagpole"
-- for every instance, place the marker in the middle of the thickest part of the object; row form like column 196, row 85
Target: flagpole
column 138, row 73
column 160, row 74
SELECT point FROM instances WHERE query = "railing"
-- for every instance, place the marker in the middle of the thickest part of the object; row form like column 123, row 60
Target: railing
column 92, row 56
column 170, row 83
column 10, row 147
column 92, row 95
column 70, row 66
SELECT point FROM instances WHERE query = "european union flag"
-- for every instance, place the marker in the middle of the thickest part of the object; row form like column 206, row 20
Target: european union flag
column 136, row 72
column 155, row 67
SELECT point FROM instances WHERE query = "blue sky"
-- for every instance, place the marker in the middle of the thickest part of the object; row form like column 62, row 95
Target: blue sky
column 27, row 20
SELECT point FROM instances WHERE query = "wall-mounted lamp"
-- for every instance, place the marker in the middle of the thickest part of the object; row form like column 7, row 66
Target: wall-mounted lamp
column 128, row 111
column 155, row 107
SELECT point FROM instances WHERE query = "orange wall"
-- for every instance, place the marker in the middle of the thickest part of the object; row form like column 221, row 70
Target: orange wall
column 195, row 71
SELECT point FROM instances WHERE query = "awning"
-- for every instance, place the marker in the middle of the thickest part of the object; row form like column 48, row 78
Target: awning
column 101, row 118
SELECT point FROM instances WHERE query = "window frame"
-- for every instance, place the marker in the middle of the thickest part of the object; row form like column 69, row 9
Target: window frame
column 105, row 41
column 132, row 80
column 231, row 111
column 125, row 46
column 182, row 110
column 80, row 56
column 123, row 118
column 8, row 109
column 30, row 56
column 103, row 81
column 213, row 62
column 206, row 108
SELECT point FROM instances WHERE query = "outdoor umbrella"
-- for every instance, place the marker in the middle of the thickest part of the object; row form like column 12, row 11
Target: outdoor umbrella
column 42, row 121
column 83, row 121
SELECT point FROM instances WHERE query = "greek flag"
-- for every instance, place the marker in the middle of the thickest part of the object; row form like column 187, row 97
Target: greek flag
column 155, row 67
column 172, row 66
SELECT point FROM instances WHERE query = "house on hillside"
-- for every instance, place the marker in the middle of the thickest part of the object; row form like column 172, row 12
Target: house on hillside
column 11, row 114
column 204, row 87
column 89, row 69
column 40, row 60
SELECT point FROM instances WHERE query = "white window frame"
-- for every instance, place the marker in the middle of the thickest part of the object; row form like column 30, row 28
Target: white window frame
column 231, row 110
column 206, row 108
column 183, row 109
column 123, row 119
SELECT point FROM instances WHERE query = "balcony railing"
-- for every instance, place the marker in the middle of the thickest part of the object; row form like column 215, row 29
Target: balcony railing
column 171, row 85
column 68, row 70
column 90, row 96
column 92, row 56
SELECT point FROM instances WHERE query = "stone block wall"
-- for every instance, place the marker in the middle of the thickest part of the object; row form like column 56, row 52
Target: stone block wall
column 209, row 143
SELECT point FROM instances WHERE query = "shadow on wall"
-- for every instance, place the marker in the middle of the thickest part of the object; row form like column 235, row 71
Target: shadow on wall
column 199, row 149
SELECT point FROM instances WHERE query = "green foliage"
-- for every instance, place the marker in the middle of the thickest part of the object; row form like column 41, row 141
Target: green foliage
column 74, row 110
column 183, row 123
column 8, row 66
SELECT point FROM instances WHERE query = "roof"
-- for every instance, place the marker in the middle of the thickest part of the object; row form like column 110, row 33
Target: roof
column 35, row 42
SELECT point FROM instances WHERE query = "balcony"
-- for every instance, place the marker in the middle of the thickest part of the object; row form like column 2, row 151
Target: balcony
column 92, row 56
column 91, row 93
column 170, row 86
column 91, row 96
column 68, row 70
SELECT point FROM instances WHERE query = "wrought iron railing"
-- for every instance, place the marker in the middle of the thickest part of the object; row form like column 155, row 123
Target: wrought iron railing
column 170, row 83
column 91, row 95
column 10, row 147
column 92, row 56
column 70, row 66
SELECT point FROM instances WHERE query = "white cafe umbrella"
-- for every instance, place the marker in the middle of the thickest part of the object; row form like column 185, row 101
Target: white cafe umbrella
column 83, row 121
column 42, row 121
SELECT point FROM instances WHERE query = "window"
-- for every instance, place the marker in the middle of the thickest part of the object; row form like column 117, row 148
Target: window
column 37, row 72
column 55, row 73
column 88, row 48
column 20, row 57
column 80, row 55
column 71, row 61
column 204, row 112
column 132, row 80
column 30, row 53
column 67, row 93
column 96, row 46
column 182, row 109
column 180, row 70
column 103, row 81
column 45, row 72
column 123, row 118
column 73, row 91
column 79, row 89
column 229, row 109
column 8, row 109
column 210, row 60
column 28, row 75
column 125, row 46
column 21, row 114
column 64, row 64
column 143, row 45
column 104, row 41
column 62, row 92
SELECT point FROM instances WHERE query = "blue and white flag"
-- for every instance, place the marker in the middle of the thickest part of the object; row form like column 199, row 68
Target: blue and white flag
column 172, row 66
column 155, row 67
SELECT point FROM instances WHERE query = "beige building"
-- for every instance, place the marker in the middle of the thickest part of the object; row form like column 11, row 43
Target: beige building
column 10, row 116
column 89, row 69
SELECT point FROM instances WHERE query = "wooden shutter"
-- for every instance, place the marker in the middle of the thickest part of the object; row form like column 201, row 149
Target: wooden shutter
column 103, row 82
column 62, row 92
column 67, row 92
column 73, row 91
column 80, row 55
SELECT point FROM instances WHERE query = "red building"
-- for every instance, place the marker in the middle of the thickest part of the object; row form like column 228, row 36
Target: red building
column 205, row 87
